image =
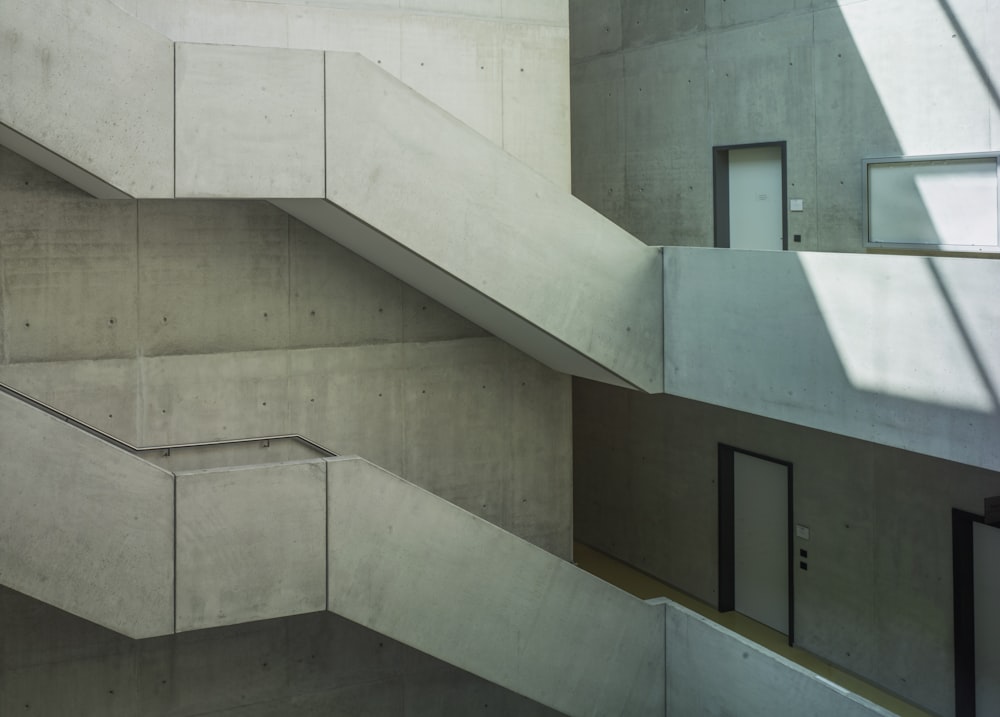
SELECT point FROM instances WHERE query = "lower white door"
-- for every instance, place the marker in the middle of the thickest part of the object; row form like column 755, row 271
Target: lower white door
column 760, row 508
column 755, row 198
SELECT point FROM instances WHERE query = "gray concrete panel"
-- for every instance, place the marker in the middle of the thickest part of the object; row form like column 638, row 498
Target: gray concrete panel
column 935, row 393
column 68, row 268
column 350, row 400
column 555, row 12
column 338, row 298
column 719, row 13
column 66, row 63
column 377, row 36
column 249, row 122
column 467, row 464
column 103, row 394
column 646, row 22
column 105, row 685
column 63, row 486
column 220, row 22
column 613, row 273
column 668, row 164
column 594, row 28
column 456, row 63
column 240, row 250
column 38, row 634
column 426, row 320
column 498, row 606
column 850, row 124
column 535, row 74
column 598, row 130
column 251, row 543
column 188, row 399
column 601, row 478
column 712, row 671
column 208, row 671
column 542, row 449
column 913, row 575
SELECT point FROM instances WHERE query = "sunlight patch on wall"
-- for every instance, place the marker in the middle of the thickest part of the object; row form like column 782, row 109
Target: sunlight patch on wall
column 897, row 332
column 930, row 88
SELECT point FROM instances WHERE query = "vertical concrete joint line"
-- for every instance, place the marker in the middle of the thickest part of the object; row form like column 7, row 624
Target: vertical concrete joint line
column 326, row 158
column 326, row 536
column 139, row 435
column 175, row 120
column 663, row 322
column 175, row 552
column 666, row 681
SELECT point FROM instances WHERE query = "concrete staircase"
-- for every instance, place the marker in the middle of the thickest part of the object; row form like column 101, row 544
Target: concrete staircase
column 252, row 530
column 96, row 528
column 335, row 141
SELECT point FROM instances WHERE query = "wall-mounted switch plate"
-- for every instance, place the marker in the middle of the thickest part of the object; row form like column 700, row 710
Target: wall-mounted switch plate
column 802, row 531
column 795, row 205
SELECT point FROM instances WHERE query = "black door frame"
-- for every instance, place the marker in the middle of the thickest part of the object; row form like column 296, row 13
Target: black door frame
column 964, row 587
column 727, row 532
column 720, row 181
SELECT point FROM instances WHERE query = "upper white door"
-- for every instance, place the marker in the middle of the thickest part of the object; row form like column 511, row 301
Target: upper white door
column 986, row 595
column 760, row 511
column 755, row 198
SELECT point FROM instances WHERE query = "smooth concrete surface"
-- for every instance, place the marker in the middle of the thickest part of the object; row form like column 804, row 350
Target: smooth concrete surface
column 54, row 664
column 891, row 349
column 251, row 543
column 444, row 238
column 249, row 122
column 84, row 526
column 499, row 67
column 834, row 80
column 409, row 565
column 712, row 670
column 303, row 337
column 63, row 61
column 876, row 600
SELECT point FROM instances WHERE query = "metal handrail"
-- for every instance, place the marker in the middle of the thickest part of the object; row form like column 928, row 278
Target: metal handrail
column 126, row 446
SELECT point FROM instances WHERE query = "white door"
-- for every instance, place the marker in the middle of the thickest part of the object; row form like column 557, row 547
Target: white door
column 760, row 507
column 755, row 198
column 986, row 594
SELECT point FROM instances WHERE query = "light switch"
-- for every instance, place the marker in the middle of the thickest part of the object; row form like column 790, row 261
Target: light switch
column 795, row 205
column 802, row 531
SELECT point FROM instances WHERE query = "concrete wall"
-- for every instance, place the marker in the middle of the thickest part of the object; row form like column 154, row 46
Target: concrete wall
column 179, row 321
column 54, row 664
column 500, row 67
column 876, row 599
column 84, row 525
column 897, row 350
column 714, row 671
column 656, row 85
column 517, row 615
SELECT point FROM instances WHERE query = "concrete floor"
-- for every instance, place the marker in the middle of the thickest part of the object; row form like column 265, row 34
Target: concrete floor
column 644, row 586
